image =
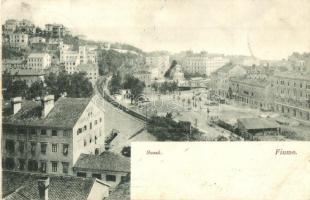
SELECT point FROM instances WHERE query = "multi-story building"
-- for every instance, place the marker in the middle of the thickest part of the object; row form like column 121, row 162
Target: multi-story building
column 70, row 59
column 13, row 64
column 161, row 62
column 252, row 92
column 144, row 76
column 56, row 30
column 47, row 137
column 28, row 75
column 37, row 40
column 39, row 61
column 18, row 40
column 26, row 26
column 203, row 64
column 10, row 26
column 220, row 79
column 87, row 55
column 91, row 71
column 292, row 94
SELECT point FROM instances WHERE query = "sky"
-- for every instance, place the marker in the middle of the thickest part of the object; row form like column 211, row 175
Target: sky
column 273, row 28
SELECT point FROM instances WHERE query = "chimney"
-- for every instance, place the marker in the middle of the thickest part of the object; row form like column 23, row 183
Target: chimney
column 47, row 104
column 43, row 184
column 16, row 104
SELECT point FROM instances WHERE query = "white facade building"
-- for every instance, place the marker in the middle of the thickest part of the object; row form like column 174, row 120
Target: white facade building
column 18, row 40
column 37, row 40
column 39, row 61
column 203, row 65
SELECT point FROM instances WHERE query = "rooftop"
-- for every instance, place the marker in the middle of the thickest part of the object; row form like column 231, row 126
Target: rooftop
column 294, row 75
column 107, row 161
column 253, row 82
column 258, row 123
column 86, row 67
column 26, row 72
column 37, row 54
column 17, row 185
column 64, row 114
column 224, row 69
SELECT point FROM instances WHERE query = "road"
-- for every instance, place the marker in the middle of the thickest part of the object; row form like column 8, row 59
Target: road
column 127, row 125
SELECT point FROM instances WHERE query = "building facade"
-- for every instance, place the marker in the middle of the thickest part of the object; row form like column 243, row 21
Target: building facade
column 109, row 167
column 37, row 40
column 18, row 40
column 292, row 94
column 47, row 137
column 56, row 30
column 253, row 93
column 160, row 62
column 203, row 64
column 39, row 61
column 91, row 71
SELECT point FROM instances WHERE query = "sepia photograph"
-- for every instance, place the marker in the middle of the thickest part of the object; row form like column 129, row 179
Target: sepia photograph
column 82, row 80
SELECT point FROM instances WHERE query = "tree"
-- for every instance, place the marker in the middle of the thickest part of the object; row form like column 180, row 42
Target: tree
column 36, row 89
column 78, row 86
column 115, row 83
column 135, row 86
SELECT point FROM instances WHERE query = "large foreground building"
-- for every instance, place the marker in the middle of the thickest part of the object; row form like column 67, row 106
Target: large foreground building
column 47, row 137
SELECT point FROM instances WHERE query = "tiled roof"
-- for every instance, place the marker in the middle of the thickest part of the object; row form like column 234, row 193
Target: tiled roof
column 121, row 192
column 294, row 75
column 37, row 55
column 225, row 68
column 253, row 82
column 107, row 161
column 258, row 123
column 64, row 114
column 27, row 72
column 87, row 67
column 17, row 185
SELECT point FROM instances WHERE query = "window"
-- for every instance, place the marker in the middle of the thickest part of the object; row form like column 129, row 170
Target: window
column 111, row 178
column 65, row 133
column 85, row 143
column 10, row 163
column 81, row 174
column 65, row 149
column 98, row 176
column 54, row 132
column 85, row 128
column 124, row 178
column 90, row 125
column 33, row 147
column 21, row 164
column 54, row 147
column 21, row 146
column 43, row 132
column 43, row 166
column 54, row 166
column 32, row 132
column 10, row 146
column 100, row 119
column 79, row 131
column 43, row 148
column 65, row 167
column 32, row 165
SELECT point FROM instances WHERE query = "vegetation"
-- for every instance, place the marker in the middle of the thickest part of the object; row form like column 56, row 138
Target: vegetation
column 135, row 86
column 115, row 83
column 75, row 85
column 110, row 61
column 165, row 87
column 166, row 129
